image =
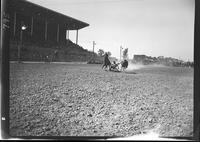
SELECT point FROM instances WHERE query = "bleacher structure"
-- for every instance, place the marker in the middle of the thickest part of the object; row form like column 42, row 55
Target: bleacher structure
column 45, row 36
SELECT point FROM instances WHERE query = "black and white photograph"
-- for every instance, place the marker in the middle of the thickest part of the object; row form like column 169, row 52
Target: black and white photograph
column 120, row 69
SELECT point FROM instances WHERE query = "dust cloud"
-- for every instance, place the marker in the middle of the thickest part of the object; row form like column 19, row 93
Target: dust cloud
column 132, row 67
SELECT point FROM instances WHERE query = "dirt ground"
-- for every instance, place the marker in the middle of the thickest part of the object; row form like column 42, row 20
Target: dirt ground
column 84, row 100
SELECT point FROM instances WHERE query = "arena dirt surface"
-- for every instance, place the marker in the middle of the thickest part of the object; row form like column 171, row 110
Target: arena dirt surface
column 84, row 100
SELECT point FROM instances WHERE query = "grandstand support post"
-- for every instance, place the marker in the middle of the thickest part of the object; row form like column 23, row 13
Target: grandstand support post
column 31, row 25
column 67, row 34
column 58, row 33
column 20, row 46
column 77, row 36
column 22, row 27
column 45, row 29
column 14, row 26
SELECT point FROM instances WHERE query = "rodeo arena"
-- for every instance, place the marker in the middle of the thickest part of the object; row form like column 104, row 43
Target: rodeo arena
column 59, row 88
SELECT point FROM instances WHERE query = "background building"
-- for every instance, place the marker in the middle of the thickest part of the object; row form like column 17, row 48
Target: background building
column 41, row 34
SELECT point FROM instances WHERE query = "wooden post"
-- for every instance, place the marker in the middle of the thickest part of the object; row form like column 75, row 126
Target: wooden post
column 76, row 36
column 45, row 30
column 58, row 33
column 14, row 26
column 68, row 34
column 93, row 47
column 120, row 52
column 20, row 46
column 18, row 54
column 67, row 31
column 32, row 26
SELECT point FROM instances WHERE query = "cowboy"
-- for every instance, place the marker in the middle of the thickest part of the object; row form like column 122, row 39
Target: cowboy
column 106, row 62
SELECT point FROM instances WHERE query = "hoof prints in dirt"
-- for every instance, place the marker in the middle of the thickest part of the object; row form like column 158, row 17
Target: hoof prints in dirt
column 83, row 100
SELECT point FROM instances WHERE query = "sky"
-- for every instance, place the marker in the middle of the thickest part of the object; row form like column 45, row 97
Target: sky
column 149, row 27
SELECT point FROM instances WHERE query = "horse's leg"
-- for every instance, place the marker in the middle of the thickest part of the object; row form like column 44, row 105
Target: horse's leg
column 103, row 66
column 109, row 67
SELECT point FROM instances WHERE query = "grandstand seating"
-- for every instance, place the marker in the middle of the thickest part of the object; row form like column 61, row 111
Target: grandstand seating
column 32, row 50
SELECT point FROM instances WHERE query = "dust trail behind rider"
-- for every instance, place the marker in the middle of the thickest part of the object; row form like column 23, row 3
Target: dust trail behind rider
column 106, row 62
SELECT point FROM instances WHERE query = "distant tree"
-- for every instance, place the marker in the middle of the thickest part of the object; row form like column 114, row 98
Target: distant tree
column 101, row 52
column 125, row 53
column 109, row 53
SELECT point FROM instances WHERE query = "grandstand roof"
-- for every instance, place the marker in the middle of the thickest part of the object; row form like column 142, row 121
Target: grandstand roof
column 30, row 9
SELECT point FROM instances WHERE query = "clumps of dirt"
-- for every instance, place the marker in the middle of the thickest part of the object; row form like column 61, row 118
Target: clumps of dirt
column 83, row 100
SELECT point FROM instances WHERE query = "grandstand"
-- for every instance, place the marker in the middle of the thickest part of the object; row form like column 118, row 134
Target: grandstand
column 45, row 36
